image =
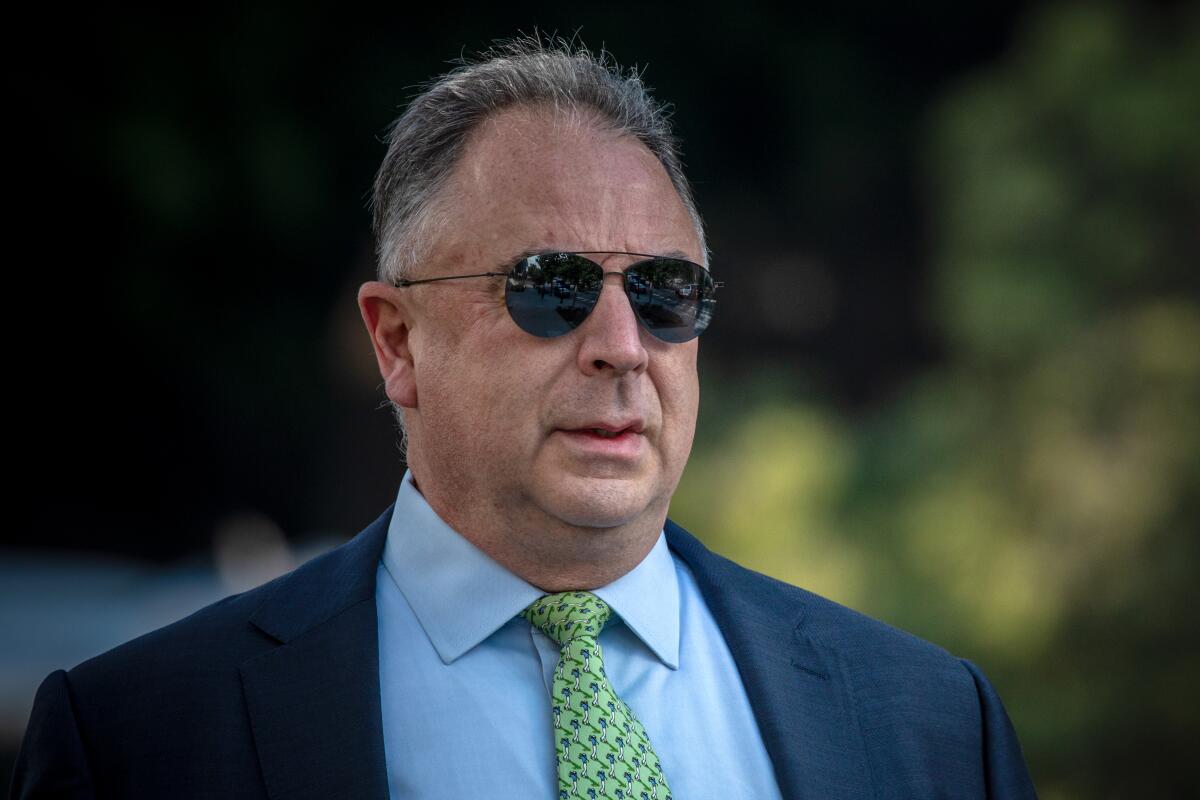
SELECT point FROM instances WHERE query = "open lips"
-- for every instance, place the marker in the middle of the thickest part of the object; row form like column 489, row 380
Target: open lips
column 609, row 431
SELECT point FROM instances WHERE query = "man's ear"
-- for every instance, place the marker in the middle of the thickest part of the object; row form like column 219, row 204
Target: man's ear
column 388, row 323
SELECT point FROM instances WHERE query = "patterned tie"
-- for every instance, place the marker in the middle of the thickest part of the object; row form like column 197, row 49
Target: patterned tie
column 603, row 750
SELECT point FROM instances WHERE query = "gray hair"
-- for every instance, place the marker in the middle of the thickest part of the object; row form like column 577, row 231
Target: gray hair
column 426, row 141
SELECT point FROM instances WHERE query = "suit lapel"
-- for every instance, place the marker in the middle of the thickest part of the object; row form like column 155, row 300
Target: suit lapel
column 313, row 701
column 801, row 700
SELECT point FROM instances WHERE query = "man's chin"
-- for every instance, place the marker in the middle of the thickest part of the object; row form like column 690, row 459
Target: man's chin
column 598, row 503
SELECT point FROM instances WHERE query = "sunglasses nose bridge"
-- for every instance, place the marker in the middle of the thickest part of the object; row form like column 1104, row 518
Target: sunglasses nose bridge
column 620, row 277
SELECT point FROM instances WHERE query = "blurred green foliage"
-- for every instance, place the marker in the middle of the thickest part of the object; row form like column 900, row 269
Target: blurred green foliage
column 1031, row 501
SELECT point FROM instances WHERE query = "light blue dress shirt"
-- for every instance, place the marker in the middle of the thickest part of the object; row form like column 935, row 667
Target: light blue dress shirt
column 465, row 682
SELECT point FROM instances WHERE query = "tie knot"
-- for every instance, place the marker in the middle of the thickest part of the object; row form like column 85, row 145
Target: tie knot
column 568, row 615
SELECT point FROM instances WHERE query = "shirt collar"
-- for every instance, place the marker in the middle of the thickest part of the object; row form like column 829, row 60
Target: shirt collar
column 460, row 596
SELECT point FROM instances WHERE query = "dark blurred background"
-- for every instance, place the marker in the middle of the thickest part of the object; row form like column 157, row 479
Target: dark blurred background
column 955, row 371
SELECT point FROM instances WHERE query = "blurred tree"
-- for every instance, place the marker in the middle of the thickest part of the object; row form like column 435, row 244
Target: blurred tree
column 1031, row 502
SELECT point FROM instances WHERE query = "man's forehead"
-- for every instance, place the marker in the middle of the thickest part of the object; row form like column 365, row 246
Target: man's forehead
column 561, row 151
column 533, row 180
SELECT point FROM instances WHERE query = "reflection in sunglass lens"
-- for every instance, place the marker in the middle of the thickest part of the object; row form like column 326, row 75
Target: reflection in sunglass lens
column 549, row 295
column 673, row 298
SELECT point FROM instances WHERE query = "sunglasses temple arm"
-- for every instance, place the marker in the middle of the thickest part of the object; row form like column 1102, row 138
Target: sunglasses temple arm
column 405, row 282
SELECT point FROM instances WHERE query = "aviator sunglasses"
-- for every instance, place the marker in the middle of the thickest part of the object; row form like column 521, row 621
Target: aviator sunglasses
column 549, row 294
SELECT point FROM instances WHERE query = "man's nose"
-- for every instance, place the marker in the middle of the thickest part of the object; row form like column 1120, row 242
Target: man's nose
column 612, row 335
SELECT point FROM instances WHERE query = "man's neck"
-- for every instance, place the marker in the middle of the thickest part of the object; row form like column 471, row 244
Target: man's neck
column 546, row 552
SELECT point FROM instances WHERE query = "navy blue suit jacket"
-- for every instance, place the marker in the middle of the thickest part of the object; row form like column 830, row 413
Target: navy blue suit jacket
column 275, row 693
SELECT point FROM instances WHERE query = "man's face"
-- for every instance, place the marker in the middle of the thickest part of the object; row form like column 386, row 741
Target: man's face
column 503, row 419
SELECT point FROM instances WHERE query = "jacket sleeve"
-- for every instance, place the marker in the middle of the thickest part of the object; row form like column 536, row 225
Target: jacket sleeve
column 52, row 763
column 1006, row 774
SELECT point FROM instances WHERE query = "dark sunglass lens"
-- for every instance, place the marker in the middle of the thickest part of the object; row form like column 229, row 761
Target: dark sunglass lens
column 672, row 297
column 549, row 295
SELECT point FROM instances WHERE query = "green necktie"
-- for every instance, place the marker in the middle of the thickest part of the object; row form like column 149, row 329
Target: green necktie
column 603, row 750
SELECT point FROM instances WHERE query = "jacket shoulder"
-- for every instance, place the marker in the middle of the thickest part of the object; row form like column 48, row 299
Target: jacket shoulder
column 217, row 632
column 890, row 672
column 215, row 639
column 168, row 709
column 825, row 622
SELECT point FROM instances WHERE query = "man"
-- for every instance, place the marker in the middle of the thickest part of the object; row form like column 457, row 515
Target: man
column 524, row 621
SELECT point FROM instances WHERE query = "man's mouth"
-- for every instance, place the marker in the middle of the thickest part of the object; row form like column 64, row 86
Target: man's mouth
column 622, row 438
column 607, row 429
